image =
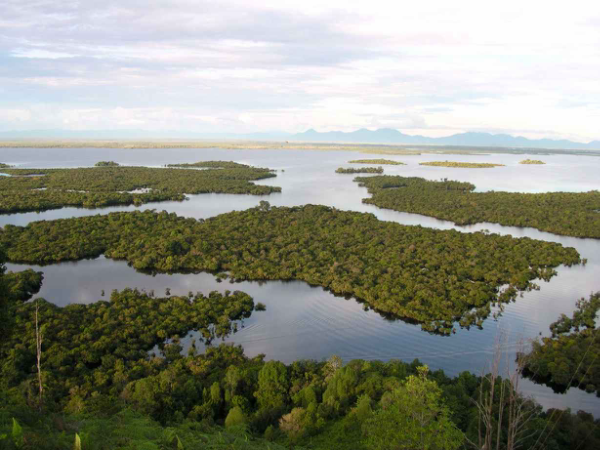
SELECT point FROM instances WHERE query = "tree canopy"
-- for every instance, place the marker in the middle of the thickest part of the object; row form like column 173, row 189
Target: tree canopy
column 433, row 277
column 565, row 213
column 41, row 189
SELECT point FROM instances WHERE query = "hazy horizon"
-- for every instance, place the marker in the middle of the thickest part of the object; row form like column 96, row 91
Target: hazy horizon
column 431, row 69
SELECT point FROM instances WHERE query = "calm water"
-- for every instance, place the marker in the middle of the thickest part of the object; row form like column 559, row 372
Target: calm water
column 308, row 322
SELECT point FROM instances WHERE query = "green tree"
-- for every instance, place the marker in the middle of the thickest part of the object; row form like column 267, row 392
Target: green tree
column 413, row 417
column 235, row 417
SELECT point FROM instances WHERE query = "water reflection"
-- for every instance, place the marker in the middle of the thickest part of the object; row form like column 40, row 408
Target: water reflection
column 308, row 322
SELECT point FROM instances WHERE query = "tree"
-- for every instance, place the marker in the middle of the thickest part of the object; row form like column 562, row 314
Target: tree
column 235, row 417
column 412, row 417
column 272, row 393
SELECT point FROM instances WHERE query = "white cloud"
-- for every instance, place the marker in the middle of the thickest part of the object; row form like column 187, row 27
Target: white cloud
column 14, row 115
column 433, row 67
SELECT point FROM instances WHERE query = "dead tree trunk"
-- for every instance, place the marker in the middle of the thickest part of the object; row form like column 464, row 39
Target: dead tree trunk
column 38, row 341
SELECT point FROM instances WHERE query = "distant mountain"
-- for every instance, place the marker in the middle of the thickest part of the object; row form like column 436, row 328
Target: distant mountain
column 471, row 139
column 380, row 136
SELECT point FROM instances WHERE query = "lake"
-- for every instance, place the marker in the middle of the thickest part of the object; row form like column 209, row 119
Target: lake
column 307, row 322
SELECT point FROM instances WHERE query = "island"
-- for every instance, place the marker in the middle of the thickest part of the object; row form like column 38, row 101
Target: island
column 212, row 165
column 433, row 277
column 388, row 162
column 360, row 170
column 133, row 384
column 93, row 187
column 564, row 213
column 569, row 357
column 531, row 161
column 106, row 164
column 465, row 165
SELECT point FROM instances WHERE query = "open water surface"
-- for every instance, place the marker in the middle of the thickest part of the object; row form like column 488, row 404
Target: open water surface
column 308, row 322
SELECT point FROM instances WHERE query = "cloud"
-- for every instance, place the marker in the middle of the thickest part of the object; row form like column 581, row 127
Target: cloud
column 238, row 66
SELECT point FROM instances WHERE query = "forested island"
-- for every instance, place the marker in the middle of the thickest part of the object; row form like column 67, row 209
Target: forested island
column 564, row 213
column 466, row 165
column 212, row 165
column 42, row 189
column 85, row 376
column 570, row 357
column 106, row 164
column 4, row 166
column 531, row 161
column 359, row 170
column 433, row 277
column 388, row 162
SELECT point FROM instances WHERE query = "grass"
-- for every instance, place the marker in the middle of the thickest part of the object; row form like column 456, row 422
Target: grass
column 532, row 161
column 467, row 165
column 377, row 161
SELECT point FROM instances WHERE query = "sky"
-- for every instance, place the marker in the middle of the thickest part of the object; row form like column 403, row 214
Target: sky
column 436, row 68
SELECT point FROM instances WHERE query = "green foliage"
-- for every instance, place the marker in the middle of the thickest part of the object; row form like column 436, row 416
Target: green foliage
column 106, row 164
column 571, row 356
column 17, row 434
column 260, row 307
column 377, row 161
column 413, row 417
column 235, row 417
column 4, row 166
column 23, row 285
column 77, row 445
column 467, row 165
column 273, row 385
column 103, row 346
column 360, row 170
column 42, row 189
column 565, row 213
column 430, row 276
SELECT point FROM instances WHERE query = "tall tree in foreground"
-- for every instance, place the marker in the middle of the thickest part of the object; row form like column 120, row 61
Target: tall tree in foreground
column 413, row 417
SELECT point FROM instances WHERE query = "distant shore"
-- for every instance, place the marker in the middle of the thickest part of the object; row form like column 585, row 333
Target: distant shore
column 380, row 149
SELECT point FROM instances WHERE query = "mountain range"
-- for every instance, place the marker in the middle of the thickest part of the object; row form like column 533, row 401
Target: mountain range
column 363, row 135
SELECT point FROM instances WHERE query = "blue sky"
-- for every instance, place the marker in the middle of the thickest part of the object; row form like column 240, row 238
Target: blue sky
column 436, row 68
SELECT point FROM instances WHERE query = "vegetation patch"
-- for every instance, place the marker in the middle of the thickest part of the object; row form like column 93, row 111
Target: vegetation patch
column 564, row 213
column 433, row 277
column 4, row 166
column 466, row 165
column 106, row 164
column 212, row 165
column 360, row 170
column 90, row 383
column 42, row 189
column 570, row 357
column 21, row 286
column 377, row 161
column 532, row 161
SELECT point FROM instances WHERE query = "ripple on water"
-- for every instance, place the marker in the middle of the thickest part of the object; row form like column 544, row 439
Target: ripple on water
column 309, row 322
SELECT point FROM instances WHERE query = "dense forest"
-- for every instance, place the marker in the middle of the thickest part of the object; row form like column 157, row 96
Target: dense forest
column 466, row 165
column 41, row 189
column 212, row 165
column 565, row 213
column 86, row 377
column 433, row 277
column 360, row 170
column 570, row 357
column 377, row 161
